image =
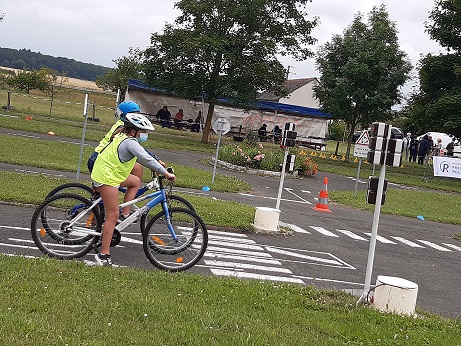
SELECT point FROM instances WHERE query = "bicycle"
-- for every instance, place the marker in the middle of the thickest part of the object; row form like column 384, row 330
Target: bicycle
column 88, row 192
column 68, row 226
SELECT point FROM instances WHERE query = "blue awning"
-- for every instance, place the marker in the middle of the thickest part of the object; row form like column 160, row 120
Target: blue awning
column 134, row 84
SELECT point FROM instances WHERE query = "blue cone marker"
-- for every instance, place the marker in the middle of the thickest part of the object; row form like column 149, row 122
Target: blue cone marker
column 206, row 188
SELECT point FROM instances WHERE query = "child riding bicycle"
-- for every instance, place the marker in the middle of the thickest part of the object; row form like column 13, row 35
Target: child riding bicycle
column 113, row 168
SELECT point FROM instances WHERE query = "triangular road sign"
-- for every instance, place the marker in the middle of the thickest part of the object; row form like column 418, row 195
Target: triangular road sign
column 364, row 139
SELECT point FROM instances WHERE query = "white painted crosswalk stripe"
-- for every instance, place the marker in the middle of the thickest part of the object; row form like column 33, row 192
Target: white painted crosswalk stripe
column 351, row 234
column 324, row 231
column 235, row 245
column 381, row 239
column 435, row 246
column 407, row 242
column 210, row 254
column 453, row 246
column 237, row 251
column 245, row 275
column 237, row 265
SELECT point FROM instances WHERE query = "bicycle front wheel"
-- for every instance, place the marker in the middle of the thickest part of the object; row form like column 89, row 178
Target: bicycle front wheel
column 65, row 227
column 169, row 254
column 173, row 201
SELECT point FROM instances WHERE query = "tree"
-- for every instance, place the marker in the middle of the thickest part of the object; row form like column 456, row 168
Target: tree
column 27, row 80
column 436, row 106
column 362, row 71
column 53, row 80
column 228, row 49
column 126, row 67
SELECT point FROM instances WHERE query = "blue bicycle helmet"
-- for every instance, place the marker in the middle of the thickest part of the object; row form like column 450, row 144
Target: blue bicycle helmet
column 127, row 107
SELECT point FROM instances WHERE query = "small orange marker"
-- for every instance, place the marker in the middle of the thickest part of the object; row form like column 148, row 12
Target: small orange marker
column 158, row 240
column 51, row 133
column 179, row 259
column 42, row 232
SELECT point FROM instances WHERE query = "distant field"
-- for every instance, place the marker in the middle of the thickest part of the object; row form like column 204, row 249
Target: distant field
column 72, row 82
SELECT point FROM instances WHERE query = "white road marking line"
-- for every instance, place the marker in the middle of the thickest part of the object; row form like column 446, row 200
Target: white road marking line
column 20, row 228
column 407, row 242
column 236, row 265
column 234, row 240
column 328, row 280
column 351, row 234
column 301, row 256
column 290, row 190
column 212, row 254
column 237, row 245
column 244, row 275
column 293, row 227
column 306, row 191
column 233, row 234
column 235, row 251
column 19, row 246
column 433, row 245
column 453, row 246
column 381, row 239
column 324, row 231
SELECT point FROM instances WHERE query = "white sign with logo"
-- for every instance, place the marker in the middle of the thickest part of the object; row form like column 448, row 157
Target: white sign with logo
column 361, row 146
column 447, row 167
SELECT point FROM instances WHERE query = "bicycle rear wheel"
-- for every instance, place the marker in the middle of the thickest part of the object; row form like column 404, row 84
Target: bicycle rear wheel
column 175, row 255
column 73, row 187
column 53, row 233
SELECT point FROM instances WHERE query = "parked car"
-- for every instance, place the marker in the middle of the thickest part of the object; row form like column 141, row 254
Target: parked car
column 457, row 151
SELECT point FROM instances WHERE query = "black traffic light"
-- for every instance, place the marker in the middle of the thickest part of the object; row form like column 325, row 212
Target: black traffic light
column 289, row 135
column 380, row 147
column 372, row 190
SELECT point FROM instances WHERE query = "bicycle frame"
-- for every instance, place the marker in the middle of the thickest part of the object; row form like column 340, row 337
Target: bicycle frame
column 157, row 197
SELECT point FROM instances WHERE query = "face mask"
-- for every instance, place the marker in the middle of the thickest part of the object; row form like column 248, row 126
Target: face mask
column 142, row 137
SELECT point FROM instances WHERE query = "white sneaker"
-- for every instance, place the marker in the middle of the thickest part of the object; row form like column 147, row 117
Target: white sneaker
column 103, row 260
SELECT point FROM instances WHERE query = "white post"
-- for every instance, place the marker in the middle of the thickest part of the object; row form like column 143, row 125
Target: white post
column 85, row 115
column 374, row 229
column 220, row 130
column 282, row 178
column 358, row 177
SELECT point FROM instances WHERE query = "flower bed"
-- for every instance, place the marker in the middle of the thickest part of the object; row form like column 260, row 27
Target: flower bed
column 266, row 158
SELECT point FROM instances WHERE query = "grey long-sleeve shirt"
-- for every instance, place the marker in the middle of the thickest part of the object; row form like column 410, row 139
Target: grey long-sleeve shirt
column 130, row 148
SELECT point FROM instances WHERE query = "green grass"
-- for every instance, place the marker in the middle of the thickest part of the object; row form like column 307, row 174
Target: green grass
column 64, row 157
column 432, row 206
column 49, row 302
column 32, row 189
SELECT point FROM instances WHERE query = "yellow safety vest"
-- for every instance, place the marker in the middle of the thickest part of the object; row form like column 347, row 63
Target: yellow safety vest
column 108, row 169
column 108, row 135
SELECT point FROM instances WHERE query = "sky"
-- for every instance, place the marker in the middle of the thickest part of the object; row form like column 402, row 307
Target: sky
column 101, row 31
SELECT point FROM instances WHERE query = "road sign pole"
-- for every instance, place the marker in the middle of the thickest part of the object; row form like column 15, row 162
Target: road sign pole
column 374, row 229
column 282, row 178
column 221, row 126
column 216, row 157
column 358, row 177
column 85, row 114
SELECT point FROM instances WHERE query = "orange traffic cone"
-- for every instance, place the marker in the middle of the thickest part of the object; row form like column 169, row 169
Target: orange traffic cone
column 322, row 204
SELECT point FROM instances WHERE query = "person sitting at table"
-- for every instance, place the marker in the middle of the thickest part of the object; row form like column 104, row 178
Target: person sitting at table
column 178, row 119
column 262, row 133
column 164, row 115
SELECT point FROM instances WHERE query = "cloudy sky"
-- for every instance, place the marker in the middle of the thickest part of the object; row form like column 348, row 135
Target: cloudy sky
column 100, row 31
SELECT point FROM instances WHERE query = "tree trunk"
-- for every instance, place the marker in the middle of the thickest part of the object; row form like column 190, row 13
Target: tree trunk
column 209, row 117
